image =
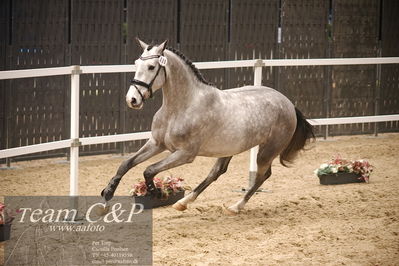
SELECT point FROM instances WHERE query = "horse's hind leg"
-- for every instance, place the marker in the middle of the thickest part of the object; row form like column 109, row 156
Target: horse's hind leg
column 236, row 208
column 218, row 169
column 265, row 158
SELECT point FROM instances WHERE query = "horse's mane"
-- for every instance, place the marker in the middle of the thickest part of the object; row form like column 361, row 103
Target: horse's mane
column 188, row 62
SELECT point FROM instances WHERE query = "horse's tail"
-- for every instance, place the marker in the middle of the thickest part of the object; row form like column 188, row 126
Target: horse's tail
column 303, row 132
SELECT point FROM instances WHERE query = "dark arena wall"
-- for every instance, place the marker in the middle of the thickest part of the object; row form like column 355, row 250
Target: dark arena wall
column 52, row 33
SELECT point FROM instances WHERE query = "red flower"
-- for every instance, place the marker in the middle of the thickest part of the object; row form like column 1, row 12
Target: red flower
column 337, row 164
column 168, row 185
column 7, row 215
column 139, row 189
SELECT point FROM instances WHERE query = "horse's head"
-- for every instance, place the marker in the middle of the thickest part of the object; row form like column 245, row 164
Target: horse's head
column 150, row 74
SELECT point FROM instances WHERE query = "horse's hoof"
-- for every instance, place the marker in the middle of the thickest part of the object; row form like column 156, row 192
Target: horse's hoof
column 180, row 207
column 107, row 194
column 101, row 210
column 228, row 211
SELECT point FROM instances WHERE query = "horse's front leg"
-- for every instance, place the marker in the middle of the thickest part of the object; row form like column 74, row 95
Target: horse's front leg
column 218, row 169
column 149, row 150
column 175, row 159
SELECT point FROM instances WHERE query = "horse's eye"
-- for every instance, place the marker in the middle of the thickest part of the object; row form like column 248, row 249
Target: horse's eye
column 151, row 67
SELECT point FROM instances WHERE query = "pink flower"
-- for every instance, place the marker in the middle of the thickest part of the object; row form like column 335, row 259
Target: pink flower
column 168, row 185
column 139, row 189
column 338, row 164
column 158, row 183
column 7, row 215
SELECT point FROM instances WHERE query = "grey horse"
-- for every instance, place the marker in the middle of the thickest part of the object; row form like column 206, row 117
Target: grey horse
column 197, row 119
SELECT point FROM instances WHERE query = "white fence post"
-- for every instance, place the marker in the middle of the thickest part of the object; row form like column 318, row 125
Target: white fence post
column 253, row 167
column 74, row 164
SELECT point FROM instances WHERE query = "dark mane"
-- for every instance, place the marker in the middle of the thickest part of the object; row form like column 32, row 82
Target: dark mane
column 188, row 62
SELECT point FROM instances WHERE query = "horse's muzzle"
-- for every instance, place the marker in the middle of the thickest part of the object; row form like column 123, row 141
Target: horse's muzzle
column 134, row 103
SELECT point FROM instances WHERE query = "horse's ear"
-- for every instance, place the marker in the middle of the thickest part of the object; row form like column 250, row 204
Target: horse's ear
column 162, row 47
column 142, row 44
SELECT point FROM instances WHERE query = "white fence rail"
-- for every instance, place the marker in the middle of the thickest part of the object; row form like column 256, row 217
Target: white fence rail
column 75, row 71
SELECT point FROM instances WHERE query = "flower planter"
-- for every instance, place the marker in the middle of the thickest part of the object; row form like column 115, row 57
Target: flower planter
column 5, row 230
column 340, row 178
column 150, row 202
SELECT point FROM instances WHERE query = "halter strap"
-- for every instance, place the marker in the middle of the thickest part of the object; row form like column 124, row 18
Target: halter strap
column 150, row 57
column 148, row 86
